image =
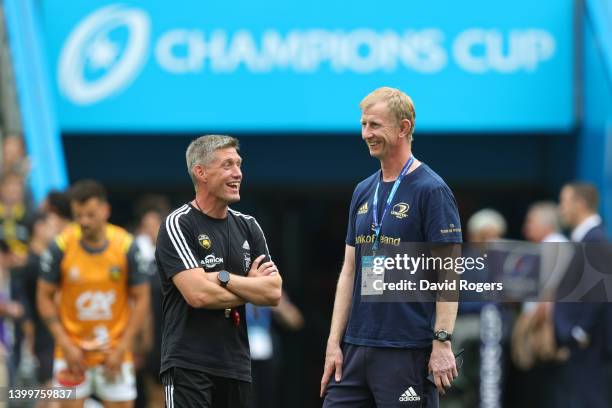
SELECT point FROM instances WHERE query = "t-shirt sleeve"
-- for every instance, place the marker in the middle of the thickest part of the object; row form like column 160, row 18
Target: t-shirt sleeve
column 259, row 244
column 176, row 249
column 50, row 262
column 441, row 219
column 138, row 269
column 350, row 229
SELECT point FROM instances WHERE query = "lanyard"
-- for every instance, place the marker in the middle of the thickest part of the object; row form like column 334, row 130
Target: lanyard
column 377, row 225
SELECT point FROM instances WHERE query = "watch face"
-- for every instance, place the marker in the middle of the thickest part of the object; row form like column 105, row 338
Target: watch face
column 442, row 335
column 224, row 276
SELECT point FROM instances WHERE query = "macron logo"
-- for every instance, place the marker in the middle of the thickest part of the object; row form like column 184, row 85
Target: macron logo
column 409, row 396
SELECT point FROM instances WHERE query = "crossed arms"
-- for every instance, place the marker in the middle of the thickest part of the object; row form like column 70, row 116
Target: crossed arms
column 262, row 287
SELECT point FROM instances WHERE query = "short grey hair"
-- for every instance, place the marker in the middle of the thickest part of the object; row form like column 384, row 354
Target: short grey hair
column 201, row 151
column 487, row 218
column 547, row 214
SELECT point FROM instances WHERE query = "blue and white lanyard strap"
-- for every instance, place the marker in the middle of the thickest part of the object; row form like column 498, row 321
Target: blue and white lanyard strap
column 376, row 226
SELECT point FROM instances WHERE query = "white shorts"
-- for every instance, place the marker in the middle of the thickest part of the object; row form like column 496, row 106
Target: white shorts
column 120, row 388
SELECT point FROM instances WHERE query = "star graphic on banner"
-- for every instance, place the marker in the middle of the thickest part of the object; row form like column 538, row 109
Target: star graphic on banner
column 102, row 53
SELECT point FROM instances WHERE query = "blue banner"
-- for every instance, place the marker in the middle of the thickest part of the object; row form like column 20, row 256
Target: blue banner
column 192, row 65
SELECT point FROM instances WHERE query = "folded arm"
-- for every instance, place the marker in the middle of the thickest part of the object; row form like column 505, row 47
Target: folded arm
column 200, row 291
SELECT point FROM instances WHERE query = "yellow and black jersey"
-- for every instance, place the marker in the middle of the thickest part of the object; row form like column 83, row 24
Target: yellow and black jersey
column 93, row 287
column 14, row 227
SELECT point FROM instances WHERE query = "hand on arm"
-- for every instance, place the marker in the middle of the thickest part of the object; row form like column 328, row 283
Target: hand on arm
column 202, row 290
column 342, row 307
column 262, row 286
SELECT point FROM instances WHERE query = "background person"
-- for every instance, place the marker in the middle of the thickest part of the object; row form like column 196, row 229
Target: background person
column 585, row 327
column 265, row 348
column 45, row 228
column 486, row 225
column 151, row 210
column 54, row 216
column 104, row 295
column 534, row 349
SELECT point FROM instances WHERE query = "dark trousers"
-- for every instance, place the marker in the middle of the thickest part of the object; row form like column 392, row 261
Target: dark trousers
column 196, row 389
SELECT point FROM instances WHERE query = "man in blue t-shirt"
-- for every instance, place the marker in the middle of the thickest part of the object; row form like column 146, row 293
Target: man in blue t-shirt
column 380, row 353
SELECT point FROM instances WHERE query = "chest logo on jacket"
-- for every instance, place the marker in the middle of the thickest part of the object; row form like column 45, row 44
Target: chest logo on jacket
column 363, row 209
column 210, row 261
column 400, row 210
column 114, row 273
column 204, row 240
column 247, row 256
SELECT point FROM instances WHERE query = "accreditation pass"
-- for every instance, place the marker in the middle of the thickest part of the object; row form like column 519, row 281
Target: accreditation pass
column 368, row 277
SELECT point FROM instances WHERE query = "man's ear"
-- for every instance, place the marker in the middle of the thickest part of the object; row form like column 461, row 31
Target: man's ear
column 582, row 204
column 405, row 128
column 107, row 210
column 200, row 172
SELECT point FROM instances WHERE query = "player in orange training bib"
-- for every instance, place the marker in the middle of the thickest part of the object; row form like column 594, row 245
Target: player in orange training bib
column 93, row 293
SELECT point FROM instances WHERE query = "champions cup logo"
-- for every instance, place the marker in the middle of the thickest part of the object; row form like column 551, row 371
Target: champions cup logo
column 108, row 48
column 400, row 210
column 103, row 54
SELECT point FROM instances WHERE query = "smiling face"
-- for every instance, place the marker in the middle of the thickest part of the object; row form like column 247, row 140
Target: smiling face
column 381, row 131
column 223, row 175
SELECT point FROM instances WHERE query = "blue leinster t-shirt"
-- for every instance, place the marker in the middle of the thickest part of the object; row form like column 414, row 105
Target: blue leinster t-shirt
column 423, row 210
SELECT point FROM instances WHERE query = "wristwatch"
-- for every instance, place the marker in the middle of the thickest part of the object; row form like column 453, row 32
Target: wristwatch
column 442, row 335
column 224, row 278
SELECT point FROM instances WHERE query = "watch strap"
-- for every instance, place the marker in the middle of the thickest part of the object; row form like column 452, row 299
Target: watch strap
column 442, row 335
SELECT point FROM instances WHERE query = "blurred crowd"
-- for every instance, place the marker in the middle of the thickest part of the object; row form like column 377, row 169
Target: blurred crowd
column 553, row 354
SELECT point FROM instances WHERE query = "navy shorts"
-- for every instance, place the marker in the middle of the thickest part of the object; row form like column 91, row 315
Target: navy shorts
column 383, row 378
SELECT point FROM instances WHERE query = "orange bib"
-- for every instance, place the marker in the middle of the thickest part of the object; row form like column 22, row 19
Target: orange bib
column 93, row 302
